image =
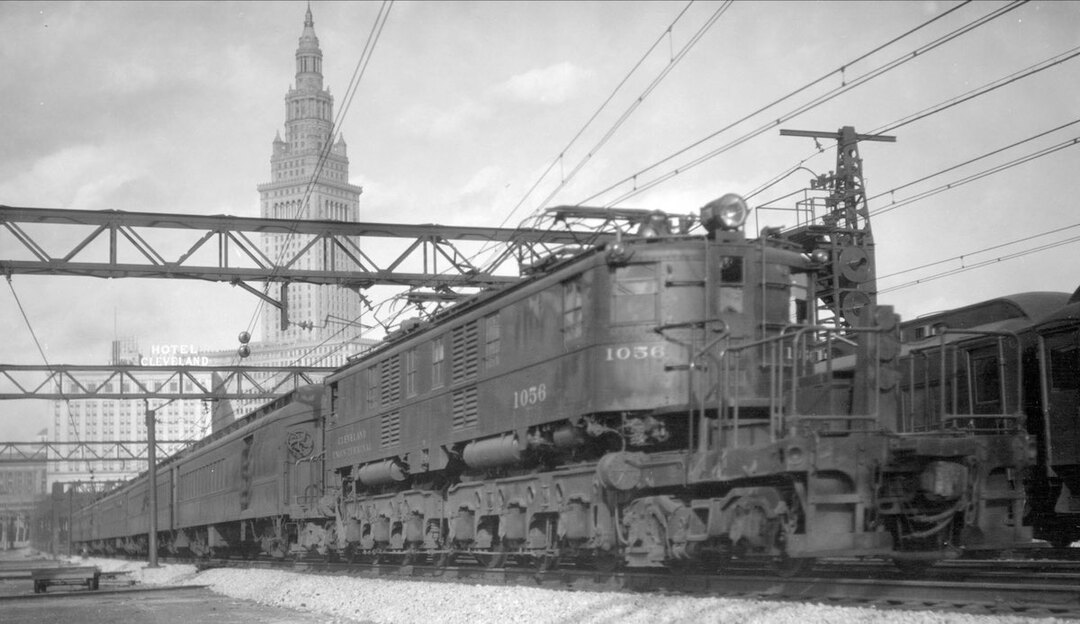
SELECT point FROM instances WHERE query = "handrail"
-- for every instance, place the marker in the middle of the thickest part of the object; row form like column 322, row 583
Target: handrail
column 943, row 349
column 773, row 356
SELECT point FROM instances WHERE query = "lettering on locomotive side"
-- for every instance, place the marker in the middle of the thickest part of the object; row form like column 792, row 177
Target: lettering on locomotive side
column 353, row 436
column 350, row 443
column 635, row 352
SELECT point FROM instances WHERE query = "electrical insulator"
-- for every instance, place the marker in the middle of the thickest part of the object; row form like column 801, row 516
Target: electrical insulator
column 244, row 337
column 244, row 351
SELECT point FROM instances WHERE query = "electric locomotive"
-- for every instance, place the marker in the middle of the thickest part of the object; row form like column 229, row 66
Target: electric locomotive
column 667, row 399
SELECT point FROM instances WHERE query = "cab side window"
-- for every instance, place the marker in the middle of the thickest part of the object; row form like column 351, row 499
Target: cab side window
column 634, row 289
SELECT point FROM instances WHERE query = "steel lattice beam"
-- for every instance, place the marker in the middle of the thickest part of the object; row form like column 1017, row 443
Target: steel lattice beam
column 65, row 381
column 97, row 451
column 113, row 244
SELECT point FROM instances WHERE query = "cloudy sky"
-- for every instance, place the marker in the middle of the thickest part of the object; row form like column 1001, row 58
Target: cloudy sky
column 172, row 107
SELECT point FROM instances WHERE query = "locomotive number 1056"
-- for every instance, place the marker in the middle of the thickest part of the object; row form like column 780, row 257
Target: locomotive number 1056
column 530, row 396
column 634, row 352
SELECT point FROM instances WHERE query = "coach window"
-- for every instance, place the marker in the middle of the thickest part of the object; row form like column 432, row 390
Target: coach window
column 491, row 341
column 987, row 380
column 730, row 291
column 633, row 292
column 1064, row 368
column 573, row 301
column 438, row 354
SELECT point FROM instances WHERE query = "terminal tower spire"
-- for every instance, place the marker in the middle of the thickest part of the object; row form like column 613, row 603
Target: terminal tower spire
column 309, row 173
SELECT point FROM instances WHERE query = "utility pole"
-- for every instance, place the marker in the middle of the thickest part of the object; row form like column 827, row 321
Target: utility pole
column 151, row 454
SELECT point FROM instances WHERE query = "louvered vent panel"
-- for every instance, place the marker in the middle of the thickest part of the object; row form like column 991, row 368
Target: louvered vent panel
column 390, row 382
column 390, row 429
column 465, row 353
column 465, row 408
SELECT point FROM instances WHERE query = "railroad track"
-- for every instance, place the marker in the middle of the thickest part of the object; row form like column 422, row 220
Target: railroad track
column 1033, row 588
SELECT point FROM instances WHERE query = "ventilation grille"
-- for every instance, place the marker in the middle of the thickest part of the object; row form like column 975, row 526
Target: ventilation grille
column 465, row 361
column 390, row 429
column 465, row 408
column 390, row 381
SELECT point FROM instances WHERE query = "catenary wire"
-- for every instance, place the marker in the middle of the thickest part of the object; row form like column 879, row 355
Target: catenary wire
column 599, row 110
column 846, row 85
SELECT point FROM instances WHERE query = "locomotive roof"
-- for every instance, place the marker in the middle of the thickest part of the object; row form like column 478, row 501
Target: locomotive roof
column 553, row 267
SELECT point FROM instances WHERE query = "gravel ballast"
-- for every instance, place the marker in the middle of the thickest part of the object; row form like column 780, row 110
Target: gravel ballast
column 346, row 600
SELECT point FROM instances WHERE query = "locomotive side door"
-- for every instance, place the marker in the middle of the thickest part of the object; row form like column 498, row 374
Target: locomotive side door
column 302, row 470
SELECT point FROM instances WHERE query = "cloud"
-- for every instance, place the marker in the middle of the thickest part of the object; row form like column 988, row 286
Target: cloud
column 442, row 123
column 81, row 176
column 483, row 181
column 554, row 84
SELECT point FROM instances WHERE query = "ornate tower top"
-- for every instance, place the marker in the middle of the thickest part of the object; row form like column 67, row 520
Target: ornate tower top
column 309, row 57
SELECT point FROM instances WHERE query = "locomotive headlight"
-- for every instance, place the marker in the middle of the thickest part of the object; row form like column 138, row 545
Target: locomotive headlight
column 727, row 213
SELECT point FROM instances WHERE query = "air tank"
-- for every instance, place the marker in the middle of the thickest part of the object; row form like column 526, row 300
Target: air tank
column 382, row 473
column 493, row 452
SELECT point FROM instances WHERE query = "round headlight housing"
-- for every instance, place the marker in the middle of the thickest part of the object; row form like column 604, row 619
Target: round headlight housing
column 727, row 213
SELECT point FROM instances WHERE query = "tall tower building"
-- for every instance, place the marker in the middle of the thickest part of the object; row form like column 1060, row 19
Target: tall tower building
column 309, row 173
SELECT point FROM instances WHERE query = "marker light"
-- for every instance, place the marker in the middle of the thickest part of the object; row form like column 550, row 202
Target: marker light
column 656, row 224
column 727, row 213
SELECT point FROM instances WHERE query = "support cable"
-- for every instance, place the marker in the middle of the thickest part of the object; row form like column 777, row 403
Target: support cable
column 819, row 100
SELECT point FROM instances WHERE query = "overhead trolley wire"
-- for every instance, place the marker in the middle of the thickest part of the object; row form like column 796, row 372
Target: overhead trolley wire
column 675, row 58
column 600, row 109
column 44, row 358
column 961, row 257
column 927, row 112
column 819, row 100
column 977, row 176
column 980, row 91
column 638, row 101
column 968, row 267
